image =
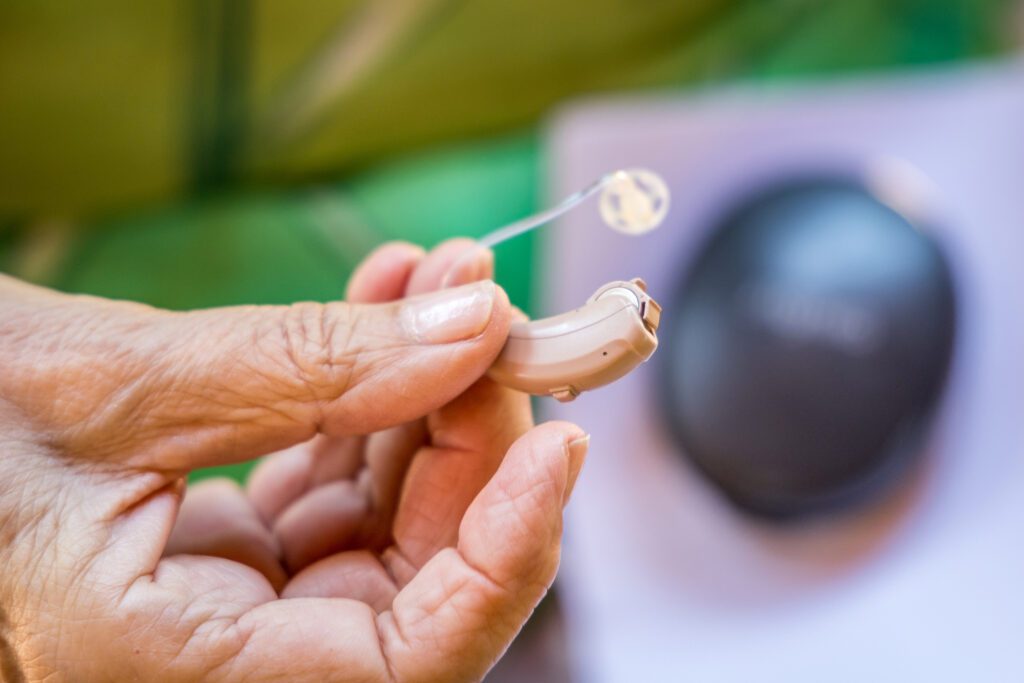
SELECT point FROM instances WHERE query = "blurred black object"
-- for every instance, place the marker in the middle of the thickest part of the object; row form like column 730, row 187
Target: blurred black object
column 807, row 347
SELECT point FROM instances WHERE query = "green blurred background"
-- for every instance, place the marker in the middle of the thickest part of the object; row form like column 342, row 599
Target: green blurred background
column 196, row 153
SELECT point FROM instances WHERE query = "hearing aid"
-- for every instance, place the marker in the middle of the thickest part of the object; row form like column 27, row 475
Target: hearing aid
column 594, row 345
column 616, row 329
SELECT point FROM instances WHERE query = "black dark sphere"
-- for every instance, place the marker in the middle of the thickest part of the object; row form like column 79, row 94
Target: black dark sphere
column 807, row 346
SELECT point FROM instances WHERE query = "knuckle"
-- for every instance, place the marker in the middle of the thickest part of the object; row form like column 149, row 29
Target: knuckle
column 316, row 339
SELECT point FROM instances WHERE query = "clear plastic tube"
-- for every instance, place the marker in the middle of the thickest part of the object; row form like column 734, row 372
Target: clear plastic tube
column 507, row 232
column 632, row 201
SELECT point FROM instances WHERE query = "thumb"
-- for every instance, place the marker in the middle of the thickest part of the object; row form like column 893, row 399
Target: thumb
column 184, row 390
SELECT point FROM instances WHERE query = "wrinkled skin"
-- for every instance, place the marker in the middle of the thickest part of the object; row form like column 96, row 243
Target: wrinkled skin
column 404, row 530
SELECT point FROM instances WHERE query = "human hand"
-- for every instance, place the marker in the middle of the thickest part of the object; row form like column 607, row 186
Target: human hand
column 414, row 553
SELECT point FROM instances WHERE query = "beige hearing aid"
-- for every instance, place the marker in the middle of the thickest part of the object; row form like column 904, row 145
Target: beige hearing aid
column 594, row 345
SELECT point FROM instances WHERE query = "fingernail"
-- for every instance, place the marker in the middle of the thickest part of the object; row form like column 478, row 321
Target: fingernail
column 577, row 449
column 450, row 315
column 477, row 263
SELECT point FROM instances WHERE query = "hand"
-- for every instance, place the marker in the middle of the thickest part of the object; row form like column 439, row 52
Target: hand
column 404, row 534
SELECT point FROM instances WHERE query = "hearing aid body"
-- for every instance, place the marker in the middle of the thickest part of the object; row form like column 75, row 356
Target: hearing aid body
column 594, row 345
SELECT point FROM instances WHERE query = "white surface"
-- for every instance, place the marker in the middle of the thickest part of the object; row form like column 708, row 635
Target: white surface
column 663, row 580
